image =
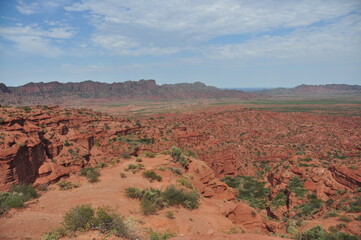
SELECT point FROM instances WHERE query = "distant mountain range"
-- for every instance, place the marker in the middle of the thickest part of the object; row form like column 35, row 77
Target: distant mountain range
column 57, row 93
column 307, row 90
column 144, row 90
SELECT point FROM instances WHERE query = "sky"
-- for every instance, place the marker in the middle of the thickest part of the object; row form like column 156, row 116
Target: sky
column 228, row 43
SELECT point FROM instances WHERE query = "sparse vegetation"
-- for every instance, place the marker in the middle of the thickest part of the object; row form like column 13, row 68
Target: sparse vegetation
column 179, row 157
column 310, row 208
column 161, row 236
column 279, row 200
column 84, row 217
column 185, row 182
column 66, row 185
column 152, row 200
column 90, row 173
column 134, row 167
column 250, row 190
column 151, row 175
column 318, row 233
column 150, row 154
column 16, row 197
column 125, row 154
column 296, row 186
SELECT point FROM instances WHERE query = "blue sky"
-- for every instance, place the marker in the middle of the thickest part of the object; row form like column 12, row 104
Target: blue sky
column 228, row 43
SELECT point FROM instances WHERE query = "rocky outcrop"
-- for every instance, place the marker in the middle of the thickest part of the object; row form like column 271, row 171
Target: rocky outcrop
column 207, row 184
column 346, row 176
column 248, row 217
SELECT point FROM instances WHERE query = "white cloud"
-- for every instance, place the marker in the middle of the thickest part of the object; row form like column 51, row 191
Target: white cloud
column 32, row 39
column 166, row 27
column 319, row 42
column 27, row 8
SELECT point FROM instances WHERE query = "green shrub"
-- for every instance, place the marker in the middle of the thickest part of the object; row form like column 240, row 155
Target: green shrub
column 55, row 234
column 133, row 192
column 151, row 175
column 345, row 219
column 331, row 213
column 355, row 205
column 122, row 175
column 190, row 153
column 318, row 233
column 185, row 182
column 249, row 190
column 150, row 154
column 90, row 173
column 311, row 207
column 139, row 160
column 161, row 236
column 26, row 190
column 179, row 157
column 292, row 228
column 84, row 217
column 169, row 214
column 152, row 200
column 125, row 155
column 78, row 218
column 135, row 167
column 174, row 196
column 16, row 197
column 106, row 220
column 65, row 185
column 296, row 186
column 279, row 200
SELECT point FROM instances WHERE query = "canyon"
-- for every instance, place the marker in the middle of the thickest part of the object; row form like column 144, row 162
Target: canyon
column 294, row 159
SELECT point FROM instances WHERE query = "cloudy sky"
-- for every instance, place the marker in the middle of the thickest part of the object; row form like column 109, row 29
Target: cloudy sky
column 224, row 43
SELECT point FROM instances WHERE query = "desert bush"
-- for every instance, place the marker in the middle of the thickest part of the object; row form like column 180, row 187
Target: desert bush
column 331, row 213
column 84, row 217
column 151, row 175
column 345, row 218
column 152, row 200
column 80, row 217
column 175, row 196
column 355, row 205
column 161, row 236
column 150, row 154
column 106, row 220
column 292, row 228
column 318, row 233
column 169, row 214
column 135, row 167
column 185, row 182
column 279, row 200
column 312, row 206
column 122, row 175
column 16, row 197
column 65, row 185
column 125, row 154
column 139, row 160
column 133, row 192
column 296, row 186
column 190, row 153
column 179, row 157
column 90, row 173
column 27, row 191
column 250, row 190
